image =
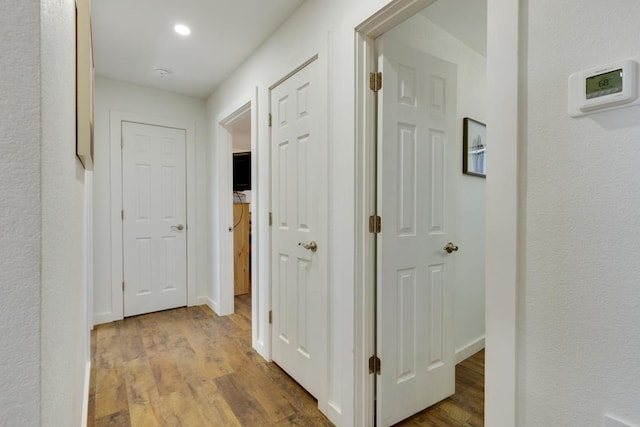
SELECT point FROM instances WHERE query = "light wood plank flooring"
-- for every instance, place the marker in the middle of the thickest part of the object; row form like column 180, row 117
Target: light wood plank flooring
column 463, row 409
column 188, row 367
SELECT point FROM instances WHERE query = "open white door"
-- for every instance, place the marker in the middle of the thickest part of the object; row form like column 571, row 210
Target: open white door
column 416, row 133
column 299, row 236
column 154, row 218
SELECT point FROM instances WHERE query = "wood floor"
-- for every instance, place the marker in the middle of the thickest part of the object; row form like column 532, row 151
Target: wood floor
column 190, row 368
column 463, row 409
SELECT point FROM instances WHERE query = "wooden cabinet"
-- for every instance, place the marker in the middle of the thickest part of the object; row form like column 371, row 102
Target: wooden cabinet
column 241, row 248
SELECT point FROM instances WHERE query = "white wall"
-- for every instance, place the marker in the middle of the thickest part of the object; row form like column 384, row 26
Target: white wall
column 113, row 95
column 319, row 26
column 20, row 213
column 469, row 192
column 581, row 296
column 64, row 326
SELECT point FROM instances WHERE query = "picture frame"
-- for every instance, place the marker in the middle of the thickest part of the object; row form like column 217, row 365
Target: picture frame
column 474, row 148
column 85, row 85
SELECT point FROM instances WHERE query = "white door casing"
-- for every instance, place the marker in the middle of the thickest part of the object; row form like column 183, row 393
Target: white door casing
column 300, row 215
column 154, row 218
column 416, row 133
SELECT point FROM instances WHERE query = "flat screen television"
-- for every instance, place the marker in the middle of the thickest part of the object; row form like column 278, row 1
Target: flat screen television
column 242, row 171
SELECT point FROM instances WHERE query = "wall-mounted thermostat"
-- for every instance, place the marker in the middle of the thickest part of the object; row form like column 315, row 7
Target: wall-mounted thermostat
column 604, row 88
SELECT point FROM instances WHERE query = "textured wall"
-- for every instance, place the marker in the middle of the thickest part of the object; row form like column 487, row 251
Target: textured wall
column 20, row 213
column 64, row 326
column 582, row 295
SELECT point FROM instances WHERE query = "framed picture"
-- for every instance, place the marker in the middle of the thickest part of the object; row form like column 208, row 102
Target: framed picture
column 84, row 85
column 474, row 148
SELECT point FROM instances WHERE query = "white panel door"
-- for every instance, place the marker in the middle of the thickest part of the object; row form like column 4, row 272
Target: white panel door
column 299, row 205
column 416, row 122
column 154, row 218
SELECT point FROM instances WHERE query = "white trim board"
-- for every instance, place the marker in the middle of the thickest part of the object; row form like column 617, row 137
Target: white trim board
column 203, row 300
column 469, row 349
column 115, row 137
column 85, row 395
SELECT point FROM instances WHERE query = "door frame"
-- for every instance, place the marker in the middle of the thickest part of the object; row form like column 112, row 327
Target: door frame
column 117, row 269
column 222, row 267
column 504, row 206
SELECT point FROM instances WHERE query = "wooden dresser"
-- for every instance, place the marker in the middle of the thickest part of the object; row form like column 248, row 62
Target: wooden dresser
column 241, row 248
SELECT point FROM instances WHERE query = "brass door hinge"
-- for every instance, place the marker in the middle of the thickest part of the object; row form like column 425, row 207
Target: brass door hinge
column 270, row 317
column 270, row 219
column 270, row 120
column 375, row 224
column 374, row 365
column 375, row 81
column 123, row 286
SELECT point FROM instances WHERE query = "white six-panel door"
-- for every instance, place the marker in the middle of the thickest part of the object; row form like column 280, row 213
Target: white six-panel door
column 299, row 205
column 154, row 218
column 416, row 138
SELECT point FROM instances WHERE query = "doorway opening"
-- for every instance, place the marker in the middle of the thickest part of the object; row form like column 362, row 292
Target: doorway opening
column 240, row 133
column 234, row 198
column 435, row 32
column 238, row 229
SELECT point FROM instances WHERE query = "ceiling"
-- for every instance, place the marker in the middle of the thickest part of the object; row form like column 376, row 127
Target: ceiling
column 464, row 19
column 132, row 38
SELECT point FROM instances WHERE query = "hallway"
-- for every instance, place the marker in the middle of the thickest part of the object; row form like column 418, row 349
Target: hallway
column 188, row 367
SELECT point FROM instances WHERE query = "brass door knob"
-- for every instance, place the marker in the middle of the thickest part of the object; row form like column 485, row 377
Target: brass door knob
column 450, row 247
column 179, row 227
column 312, row 246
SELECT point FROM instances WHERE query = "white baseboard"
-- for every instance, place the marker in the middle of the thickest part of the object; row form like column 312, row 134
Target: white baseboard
column 209, row 303
column 334, row 413
column 202, row 300
column 85, row 395
column 469, row 349
column 259, row 347
column 106, row 317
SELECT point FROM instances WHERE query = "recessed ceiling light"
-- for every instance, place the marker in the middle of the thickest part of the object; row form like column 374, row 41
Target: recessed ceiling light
column 181, row 29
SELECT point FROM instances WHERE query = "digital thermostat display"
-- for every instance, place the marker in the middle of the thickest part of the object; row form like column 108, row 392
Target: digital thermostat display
column 604, row 84
column 603, row 88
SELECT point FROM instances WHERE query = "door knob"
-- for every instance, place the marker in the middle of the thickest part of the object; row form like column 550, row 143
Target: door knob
column 178, row 227
column 312, row 246
column 450, row 247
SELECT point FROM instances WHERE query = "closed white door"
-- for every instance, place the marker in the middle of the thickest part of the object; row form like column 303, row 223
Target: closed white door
column 154, row 218
column 299, row 232
column 416, row 137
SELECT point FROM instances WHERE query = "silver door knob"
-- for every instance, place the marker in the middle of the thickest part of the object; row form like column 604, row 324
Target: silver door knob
column 178, row 227
column 312, row 246
column 450, row 247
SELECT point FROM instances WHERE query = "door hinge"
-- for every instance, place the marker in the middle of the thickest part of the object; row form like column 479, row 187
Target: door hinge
column 123, row 286
column 270, row 120
column 375, row 81
column 375, row 224
column 374, row 365
column 270, row 219
column 122, row 214
column 270, row 317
